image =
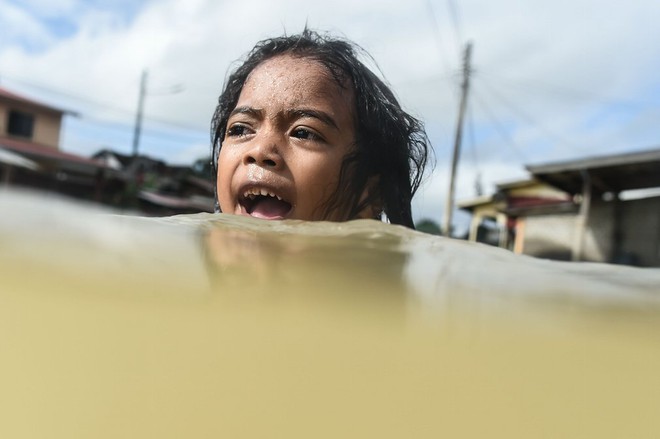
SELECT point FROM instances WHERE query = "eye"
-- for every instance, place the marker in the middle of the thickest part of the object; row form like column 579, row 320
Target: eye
column 238, row 130
column 305, row 134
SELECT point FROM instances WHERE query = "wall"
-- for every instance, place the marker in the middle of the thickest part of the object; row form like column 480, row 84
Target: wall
column 553, row 236
column 47, row 129
column 600, row 231
column 46, row 124
column 549, row 236
column 641, row 231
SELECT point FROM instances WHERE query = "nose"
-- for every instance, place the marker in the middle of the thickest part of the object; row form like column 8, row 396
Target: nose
column 264, row 152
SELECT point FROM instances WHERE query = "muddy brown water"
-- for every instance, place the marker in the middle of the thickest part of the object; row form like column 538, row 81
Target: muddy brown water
column 208, row 326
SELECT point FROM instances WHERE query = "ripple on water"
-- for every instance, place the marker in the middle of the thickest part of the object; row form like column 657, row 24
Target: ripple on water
column 220, row 326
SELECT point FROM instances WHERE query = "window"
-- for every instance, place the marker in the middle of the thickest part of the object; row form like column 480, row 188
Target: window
column 20, row 124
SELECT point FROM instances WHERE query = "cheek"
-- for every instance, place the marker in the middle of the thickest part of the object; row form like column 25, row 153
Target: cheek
column 317, row 182
column 223, row 176
column 227, row 161
column 319, row 172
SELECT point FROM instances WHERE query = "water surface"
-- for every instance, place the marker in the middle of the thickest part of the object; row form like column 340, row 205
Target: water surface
column 213, row 326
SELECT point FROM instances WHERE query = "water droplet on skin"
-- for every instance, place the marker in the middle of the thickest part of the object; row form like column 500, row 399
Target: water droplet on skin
column 255, row 173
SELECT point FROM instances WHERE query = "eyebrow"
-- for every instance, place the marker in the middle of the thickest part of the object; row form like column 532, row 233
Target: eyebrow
column 258, row 113
column 250, row 111
column 316, row 114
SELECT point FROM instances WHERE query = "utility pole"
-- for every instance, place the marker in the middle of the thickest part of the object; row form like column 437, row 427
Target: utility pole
column 138, row 117
column 449, row 207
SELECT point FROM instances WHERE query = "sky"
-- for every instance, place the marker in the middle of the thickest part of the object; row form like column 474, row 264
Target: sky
column 549, row 81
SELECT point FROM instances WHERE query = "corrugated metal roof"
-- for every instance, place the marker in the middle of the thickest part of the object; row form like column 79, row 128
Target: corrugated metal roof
column 611, row 173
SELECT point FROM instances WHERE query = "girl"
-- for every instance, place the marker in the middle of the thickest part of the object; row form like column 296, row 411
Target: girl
column 304, row 130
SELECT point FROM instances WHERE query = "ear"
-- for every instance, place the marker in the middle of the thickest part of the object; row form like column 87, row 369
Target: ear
column 375, row 207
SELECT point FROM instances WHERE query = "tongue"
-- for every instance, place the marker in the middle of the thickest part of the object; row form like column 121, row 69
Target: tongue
column 269, row 208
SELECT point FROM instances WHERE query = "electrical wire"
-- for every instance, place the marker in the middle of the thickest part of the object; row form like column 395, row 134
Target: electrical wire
column 570, row 93
column 438, row 37
column 101, row 105
column 453, row 13
column 508, row 140
column 146, row 131
column 473, row 148
column 528, row 119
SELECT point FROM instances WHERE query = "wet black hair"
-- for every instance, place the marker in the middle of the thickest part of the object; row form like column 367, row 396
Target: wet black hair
column 391, row 146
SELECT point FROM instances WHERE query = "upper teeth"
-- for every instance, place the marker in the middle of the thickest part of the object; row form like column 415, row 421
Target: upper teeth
column 251, row 193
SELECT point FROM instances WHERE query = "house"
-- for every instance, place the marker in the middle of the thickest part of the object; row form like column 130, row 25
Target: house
column 156, row 188
column 30, row 153
column 498, row 219
column 178, row 191
column 602, row 209
column 30, row 156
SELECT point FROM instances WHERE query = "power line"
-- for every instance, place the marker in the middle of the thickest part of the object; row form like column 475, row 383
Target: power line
column 453, row 13
column 473, row 148
column 526, row 117
column 113, row 126
column 570, row 93
column 102, row 105
column 61, row 92
column 508, row 140
column 438, row 38
column 472, row 137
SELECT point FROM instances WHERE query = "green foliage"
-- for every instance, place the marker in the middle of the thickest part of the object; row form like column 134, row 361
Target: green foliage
column 428, row 226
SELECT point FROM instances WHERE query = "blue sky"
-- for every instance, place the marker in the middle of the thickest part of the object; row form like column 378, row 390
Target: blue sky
column 552, row 80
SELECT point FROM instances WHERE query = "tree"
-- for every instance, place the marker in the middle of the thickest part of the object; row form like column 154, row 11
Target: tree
column 428, row 226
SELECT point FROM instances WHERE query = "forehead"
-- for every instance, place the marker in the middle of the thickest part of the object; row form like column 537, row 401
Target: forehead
column 296, row 81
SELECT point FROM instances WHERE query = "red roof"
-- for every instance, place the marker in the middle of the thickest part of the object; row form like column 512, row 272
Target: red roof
column 41, row 151
column 523, row 202
column 4, row 93
column 202, row 183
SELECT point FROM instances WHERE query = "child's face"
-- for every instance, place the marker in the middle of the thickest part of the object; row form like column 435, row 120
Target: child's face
column 285, row 142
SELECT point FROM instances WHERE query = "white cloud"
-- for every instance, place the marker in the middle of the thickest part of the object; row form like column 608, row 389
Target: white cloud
column 19, row 27
column 558, row 69
column 49, row 8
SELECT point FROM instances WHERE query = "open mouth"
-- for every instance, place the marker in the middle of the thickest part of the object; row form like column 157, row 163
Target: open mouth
column 262, row 203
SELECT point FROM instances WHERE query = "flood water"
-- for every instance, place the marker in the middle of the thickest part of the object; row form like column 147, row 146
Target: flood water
column 207, row 326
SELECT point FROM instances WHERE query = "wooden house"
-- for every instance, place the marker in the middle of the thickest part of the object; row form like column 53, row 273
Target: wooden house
column 602, row 209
